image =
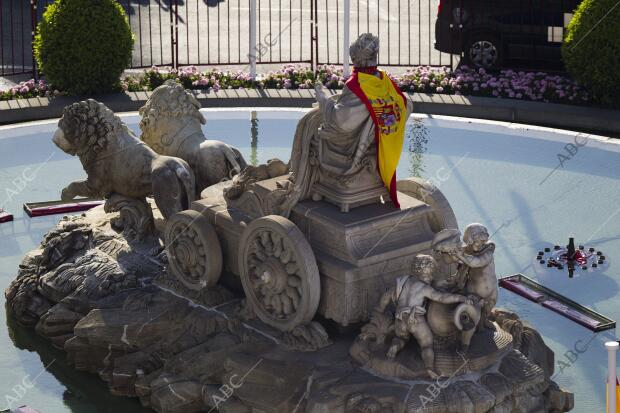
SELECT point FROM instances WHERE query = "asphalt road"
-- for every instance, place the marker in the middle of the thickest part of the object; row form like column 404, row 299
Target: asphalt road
column 216, row 32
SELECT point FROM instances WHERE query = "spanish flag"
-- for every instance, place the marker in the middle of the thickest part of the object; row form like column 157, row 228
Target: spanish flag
column 388, row 108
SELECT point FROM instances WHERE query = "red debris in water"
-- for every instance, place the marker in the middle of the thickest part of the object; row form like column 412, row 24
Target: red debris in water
column 5, row 217
column 62, row 208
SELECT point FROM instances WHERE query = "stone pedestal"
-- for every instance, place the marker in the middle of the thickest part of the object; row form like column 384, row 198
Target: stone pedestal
column 486, row 348
column 358, row 253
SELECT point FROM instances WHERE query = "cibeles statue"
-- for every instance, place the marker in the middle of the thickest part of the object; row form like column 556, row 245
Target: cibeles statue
column 347, row 148
column 362, row 132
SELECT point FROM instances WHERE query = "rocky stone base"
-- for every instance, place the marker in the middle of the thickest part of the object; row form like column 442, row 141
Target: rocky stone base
column 107, row 302
column 487, row 346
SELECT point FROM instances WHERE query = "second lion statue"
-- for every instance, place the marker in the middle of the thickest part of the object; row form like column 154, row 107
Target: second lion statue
column 172, row 125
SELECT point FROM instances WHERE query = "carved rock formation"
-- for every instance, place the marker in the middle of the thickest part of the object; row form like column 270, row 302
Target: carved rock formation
column 107, row 303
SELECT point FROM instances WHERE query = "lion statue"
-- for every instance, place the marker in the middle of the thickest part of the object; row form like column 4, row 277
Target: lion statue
column 172, row 125
column 120, row 168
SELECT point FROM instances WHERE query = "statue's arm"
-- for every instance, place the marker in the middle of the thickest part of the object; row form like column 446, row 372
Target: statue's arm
column 476, row 261
column 445, row 298
column 77, row 188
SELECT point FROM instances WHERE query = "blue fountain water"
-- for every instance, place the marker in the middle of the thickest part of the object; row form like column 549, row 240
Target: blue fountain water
column 508, row 177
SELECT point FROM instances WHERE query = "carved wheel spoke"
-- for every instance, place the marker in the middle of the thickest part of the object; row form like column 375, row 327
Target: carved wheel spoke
column 279, row 272
column 193, row 249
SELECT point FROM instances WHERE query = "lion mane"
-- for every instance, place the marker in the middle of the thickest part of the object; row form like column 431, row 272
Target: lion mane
column 172, row 101
column 90, row 127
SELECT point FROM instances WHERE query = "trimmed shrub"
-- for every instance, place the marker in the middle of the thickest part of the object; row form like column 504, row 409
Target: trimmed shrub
column 83, row 46
column 591, row 49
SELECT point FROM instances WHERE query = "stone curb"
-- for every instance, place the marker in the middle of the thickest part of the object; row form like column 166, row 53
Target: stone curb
column 571, row 117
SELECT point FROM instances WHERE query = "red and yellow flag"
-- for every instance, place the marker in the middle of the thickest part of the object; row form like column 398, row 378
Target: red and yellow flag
column 388, row 108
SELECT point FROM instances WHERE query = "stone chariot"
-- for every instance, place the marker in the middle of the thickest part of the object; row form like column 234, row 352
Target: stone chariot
column 317, row 259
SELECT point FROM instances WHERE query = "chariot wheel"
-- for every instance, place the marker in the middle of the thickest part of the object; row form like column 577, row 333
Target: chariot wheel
column 193, row 249
column 279, row 273
column 441, row 216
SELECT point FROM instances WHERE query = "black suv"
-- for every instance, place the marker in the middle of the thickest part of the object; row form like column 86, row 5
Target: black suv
column 492, row 33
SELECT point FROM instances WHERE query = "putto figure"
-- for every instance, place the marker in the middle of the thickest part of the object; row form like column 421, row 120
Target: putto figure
column 410, row 296
column 477, row 256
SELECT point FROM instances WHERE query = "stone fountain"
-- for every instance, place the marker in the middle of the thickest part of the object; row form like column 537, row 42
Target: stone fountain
column 311, row 285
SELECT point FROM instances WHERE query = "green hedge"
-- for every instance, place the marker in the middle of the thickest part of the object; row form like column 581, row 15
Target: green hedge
column 591, row 49
column 83, row 46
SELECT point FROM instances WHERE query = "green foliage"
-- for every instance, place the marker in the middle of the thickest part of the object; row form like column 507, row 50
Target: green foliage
column 591, row 49
column 83, row 46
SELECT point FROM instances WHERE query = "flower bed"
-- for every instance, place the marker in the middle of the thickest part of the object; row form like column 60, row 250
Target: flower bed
column 535, row 86
column 29, row 89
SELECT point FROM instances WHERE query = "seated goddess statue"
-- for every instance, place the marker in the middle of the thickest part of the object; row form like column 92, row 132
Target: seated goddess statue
column 347, row 148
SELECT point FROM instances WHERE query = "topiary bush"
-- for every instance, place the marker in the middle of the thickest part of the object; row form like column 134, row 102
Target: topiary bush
column 83, row 46
column 591, row 49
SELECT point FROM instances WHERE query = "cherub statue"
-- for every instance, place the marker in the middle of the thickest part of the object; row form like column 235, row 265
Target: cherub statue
column 410, row 296
column 477, row 255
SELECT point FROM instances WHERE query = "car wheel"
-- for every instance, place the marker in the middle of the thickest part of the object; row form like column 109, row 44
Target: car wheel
column 484, row 51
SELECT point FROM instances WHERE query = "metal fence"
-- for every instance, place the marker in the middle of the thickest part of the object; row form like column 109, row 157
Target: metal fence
column 16, row 22
column 406, row 29
column 217, row 32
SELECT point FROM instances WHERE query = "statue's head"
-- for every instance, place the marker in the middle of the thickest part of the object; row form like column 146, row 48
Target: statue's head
column 365, row 50
column 86, row 127
column 424, row 267
column 475, row 235
column 168, row 102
